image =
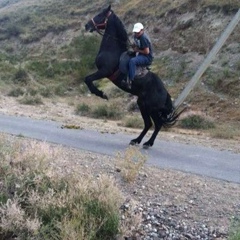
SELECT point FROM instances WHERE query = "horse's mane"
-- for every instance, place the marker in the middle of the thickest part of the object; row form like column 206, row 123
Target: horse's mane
column 122, row 32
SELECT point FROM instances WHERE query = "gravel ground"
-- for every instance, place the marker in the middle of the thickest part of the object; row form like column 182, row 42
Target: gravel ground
column 160, row 203
column 166, row 204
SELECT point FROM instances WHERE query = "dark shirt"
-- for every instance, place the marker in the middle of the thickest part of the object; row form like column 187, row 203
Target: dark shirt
column 144, row 42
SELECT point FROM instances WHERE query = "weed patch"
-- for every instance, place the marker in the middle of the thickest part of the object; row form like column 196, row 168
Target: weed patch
column 196, row 122
column 130, row 163
column 31, row 100
column 82, row 109
column 132, row 122
column 21, row 76
column 36, row 201
column 105, row 111
column 223, row 132
column 234, row 233
column 16, row 92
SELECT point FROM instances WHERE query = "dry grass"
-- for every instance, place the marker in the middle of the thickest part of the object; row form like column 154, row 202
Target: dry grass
column 132, row 122
column 130, row 163
column 39, row 199
column 224, row 132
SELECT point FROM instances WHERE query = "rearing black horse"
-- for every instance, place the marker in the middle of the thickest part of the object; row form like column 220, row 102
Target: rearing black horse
column 153, row 101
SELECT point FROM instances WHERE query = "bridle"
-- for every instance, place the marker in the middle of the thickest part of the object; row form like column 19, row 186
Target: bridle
column 102, row 25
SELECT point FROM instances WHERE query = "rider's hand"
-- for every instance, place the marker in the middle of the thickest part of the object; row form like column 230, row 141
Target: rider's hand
column 135, row 49
column 133, row 45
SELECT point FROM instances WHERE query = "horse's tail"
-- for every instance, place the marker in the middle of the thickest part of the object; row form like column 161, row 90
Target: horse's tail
column 170, row 117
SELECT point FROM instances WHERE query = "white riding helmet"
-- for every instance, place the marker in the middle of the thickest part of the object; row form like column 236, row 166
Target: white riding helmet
column 137, row 27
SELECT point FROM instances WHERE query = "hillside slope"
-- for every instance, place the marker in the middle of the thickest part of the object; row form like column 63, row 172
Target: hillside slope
column 34, row 33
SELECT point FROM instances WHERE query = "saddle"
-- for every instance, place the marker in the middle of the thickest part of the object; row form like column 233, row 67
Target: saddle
column 141, row 71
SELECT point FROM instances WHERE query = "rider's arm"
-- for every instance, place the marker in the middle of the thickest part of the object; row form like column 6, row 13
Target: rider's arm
column 143, row 51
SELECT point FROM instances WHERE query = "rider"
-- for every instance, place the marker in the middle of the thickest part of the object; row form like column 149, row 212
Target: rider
column 143, row 48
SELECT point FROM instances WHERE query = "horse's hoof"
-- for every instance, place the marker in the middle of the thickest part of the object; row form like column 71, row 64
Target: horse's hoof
column 146, row 145
column 133, row 143
column 104, row 96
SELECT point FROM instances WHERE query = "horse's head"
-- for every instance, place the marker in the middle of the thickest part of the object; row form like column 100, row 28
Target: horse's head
column 99, row 21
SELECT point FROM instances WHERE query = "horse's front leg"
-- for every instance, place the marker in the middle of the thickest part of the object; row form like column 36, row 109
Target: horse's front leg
column 93, row 89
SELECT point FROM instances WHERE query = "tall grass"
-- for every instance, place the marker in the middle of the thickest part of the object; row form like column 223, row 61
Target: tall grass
column 39, row 201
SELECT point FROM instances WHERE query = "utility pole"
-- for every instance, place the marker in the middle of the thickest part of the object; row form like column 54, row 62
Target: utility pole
column 229, row 29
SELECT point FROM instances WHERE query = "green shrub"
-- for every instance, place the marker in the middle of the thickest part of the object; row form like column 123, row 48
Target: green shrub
column 132, row 122
column 45, row 92
column 32, row 91
column 16, row 92
column 60, row 89
column 105, row 111
column 31, row 100
column 196, row 122
column 13, row 30
column 53, row 68
column 109, row 222
column 20, row 76
column 234, row 233
column 82, row 109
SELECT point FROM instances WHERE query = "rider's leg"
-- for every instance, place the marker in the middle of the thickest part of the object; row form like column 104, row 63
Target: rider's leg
column 139, row 60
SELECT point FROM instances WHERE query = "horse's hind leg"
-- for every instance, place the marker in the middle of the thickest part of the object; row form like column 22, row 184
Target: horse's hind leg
column 147, row 125
column 158, row 124
column 93, row 89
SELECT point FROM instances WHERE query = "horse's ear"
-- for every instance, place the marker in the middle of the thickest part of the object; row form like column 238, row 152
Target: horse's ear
column 109, row 7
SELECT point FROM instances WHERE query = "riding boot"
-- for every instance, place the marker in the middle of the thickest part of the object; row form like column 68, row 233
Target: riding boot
column 127, row 83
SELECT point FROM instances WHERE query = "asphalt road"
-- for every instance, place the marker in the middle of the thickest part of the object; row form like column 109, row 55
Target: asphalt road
column 209, row 162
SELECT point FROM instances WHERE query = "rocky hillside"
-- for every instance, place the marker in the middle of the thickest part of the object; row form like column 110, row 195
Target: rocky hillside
column 37, row 41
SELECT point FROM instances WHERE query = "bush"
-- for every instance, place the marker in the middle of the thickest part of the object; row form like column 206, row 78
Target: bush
column 132, row 122
column 234, row 233
column 196, row 122
column 20, row 76
column 60, row 89
column 31, row 100
column 130, row 163
column 82, row 109
column 105, row 111
column 16, row 92
column 13, row 30
column 53, row 68
column 45, row 92
column 37, row 201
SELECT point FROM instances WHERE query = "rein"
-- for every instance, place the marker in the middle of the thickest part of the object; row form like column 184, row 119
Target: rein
column 102, row 25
